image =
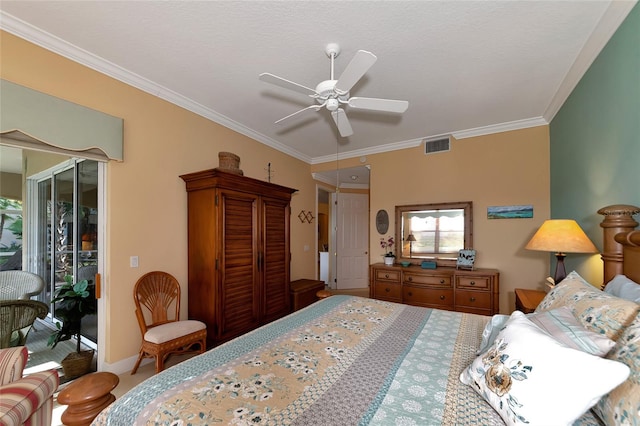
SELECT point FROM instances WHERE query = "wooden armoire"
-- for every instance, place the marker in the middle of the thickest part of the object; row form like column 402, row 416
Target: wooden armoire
column 239, row 252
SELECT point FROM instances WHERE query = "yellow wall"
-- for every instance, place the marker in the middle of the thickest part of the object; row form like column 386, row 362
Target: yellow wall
column 510, row 168
column 146, row 200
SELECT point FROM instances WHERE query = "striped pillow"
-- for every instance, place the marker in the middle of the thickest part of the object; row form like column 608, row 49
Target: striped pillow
column 563, row 326
column 559, row 323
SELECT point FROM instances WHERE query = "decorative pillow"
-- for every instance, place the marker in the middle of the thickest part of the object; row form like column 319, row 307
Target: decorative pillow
column 560, row 324
column 530, row 378
column 622, row 287
column 563, row 326
column 622, row 405
column 596, row 310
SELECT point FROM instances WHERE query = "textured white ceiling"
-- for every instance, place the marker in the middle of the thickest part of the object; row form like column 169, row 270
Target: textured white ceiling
column 466, row 67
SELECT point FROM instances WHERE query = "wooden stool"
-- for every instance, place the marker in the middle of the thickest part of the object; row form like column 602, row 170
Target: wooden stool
column 86, row 397
column 323, row 294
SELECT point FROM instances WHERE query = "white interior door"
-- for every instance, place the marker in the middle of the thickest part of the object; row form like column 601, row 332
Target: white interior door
column 352, row 242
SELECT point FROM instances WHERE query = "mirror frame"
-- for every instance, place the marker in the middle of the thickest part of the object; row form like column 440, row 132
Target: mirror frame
column 442, row 259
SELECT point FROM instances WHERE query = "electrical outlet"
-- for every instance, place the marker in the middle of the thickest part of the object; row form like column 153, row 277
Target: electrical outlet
column 133, row 261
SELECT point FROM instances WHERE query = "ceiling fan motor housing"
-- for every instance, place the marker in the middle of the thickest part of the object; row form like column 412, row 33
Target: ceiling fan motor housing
column 327, row 93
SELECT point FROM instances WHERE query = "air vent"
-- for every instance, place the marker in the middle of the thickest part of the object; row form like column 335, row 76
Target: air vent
column 437, row 145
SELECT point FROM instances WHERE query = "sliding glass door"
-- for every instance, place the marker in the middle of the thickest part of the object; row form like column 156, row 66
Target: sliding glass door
column 65, row 241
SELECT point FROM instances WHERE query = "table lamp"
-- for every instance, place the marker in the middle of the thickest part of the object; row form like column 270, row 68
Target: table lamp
column 561, row 236
column 411, row 239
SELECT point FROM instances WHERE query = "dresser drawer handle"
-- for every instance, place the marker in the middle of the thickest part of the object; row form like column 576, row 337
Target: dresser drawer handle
column 441, row 281
column 472, row 299
column 386, row 275
column 410, row 278
column 410, row 294
column 441, row 297
column 387, row 289
column 472, row 283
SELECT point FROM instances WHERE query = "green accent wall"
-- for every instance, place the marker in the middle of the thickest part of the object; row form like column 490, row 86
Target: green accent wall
column 595, row 137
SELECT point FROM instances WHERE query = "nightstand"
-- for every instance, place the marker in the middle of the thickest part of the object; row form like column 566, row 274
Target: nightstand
column 528, row 300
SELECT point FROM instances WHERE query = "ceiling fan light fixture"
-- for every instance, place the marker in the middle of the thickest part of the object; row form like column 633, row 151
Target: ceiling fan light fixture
column 332, row 104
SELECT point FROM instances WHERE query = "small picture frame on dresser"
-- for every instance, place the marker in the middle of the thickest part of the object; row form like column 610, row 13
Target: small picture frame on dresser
column 466, row 259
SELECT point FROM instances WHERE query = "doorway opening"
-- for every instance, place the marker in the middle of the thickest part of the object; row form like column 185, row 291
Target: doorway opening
column 342, row 209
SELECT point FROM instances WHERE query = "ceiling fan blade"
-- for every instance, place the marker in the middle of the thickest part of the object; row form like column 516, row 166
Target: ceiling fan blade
column 279, row 81
column 302, row 111
column 341, row 120
column 387, row 105
column 358, row 66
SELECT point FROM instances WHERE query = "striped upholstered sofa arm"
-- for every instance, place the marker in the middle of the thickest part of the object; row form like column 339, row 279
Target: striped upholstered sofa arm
column 25, row 400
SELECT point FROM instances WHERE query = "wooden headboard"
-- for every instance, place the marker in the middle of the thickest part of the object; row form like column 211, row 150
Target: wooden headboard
column 621, row 252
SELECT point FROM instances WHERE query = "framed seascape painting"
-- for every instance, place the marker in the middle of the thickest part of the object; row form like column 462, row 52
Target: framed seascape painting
column 510, row 212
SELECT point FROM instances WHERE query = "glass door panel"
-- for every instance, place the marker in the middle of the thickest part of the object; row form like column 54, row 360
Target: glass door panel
column 87, row 234
column 43, row 240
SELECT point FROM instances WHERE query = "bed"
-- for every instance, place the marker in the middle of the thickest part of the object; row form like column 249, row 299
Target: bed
column 349, row 360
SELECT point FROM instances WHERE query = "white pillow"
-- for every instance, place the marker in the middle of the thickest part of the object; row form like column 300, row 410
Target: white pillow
column 559, row 323
column 622, row 287
column 529, row 377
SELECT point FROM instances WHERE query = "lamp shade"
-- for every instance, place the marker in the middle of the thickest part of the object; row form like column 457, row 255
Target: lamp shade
column 410, row 237
column 561, row 236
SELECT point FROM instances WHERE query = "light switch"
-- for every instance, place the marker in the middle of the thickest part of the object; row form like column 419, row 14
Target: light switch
column 133, row 261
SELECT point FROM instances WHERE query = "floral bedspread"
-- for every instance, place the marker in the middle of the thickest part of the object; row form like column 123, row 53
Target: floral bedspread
column 344, row 360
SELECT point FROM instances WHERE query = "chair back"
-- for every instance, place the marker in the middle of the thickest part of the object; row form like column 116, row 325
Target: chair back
column 154, row 294
column 16, row 319
column 19, row 285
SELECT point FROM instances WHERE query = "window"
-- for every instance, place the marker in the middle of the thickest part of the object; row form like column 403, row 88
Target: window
column 434, row 231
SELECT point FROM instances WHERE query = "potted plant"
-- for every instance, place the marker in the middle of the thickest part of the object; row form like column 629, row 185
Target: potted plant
column 73, row 301
column 387, row 244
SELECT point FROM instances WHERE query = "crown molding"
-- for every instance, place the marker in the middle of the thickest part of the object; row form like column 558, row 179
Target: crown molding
column 501, row 127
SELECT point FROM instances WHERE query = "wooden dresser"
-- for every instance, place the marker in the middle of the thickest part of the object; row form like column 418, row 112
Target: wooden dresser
column 239, row 252
column 475, row 291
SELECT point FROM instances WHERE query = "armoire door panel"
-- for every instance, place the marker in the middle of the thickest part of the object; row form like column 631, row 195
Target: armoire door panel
column 239, row 307
column 275, row 254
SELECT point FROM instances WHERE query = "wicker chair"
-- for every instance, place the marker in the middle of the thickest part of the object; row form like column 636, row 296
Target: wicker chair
column 157, row 299
column 19, row 285
column 17, row 318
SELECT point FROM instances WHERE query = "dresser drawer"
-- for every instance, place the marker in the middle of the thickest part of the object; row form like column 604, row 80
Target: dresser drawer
column 432, row 297
column 387, row 291
column 430, row 280
column 473, row 299
column 387, row 275
column 477, row 283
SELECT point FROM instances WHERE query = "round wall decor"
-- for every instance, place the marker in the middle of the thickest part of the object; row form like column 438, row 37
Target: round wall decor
column 382, row 222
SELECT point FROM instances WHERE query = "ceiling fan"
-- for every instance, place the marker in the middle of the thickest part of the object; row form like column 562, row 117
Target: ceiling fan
column 332, row 94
